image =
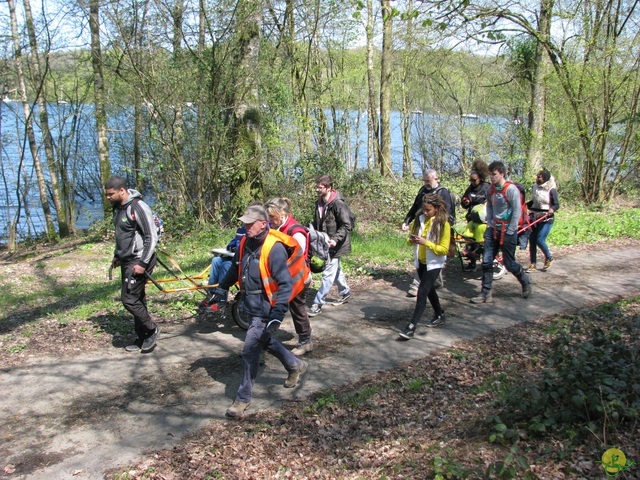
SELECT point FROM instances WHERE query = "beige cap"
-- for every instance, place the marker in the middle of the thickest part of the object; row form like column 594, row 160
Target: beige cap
column 253, row 214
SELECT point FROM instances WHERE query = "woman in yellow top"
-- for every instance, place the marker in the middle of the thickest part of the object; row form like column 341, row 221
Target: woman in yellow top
column 431, row 233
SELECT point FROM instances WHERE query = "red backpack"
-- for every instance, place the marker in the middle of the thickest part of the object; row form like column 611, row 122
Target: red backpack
column 523, row 221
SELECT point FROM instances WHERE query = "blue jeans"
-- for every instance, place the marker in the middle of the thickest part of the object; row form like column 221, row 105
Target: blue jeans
column 332, row 274
column 539, row 238
column 255, row 341
column 219, row 268
column 508, row 247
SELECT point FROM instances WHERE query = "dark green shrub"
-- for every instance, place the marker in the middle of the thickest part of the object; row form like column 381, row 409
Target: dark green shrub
column 586, row 384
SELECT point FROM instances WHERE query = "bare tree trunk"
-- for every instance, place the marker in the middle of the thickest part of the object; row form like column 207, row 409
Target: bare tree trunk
column 539, row 92
column 373, row 126
column 137, row 136
column 38, row 78
column 31, row 137
column 385, row 90
column 246, row 122
column 98, row 89
column 202, row 24
column 407, row 164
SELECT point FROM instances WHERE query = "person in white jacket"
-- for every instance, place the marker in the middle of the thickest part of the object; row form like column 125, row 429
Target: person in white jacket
column 431, row 233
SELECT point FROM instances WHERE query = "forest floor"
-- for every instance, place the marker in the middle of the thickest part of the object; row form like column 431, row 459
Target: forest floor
column 75, row 405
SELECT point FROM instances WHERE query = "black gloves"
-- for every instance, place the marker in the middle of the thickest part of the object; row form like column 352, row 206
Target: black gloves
column 272, row 326
column 218, row 297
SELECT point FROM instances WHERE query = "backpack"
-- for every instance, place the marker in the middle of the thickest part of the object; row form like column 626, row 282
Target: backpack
column 352, row 217
column 156, row 219
column 317, row 247
column 524, row 227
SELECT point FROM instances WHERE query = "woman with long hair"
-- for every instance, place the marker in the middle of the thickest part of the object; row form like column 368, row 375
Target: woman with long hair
column 431, row 233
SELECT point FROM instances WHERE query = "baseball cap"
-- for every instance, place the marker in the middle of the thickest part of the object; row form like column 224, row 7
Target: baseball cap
column 253, row 214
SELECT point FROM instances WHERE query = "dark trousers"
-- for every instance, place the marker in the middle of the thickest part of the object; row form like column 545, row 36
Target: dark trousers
column 133, row 297
column 426, row 290
column 491, row 248
column 298, row 309
column 256, row 341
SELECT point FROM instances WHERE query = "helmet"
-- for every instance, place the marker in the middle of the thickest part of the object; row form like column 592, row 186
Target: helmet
column 317, row 265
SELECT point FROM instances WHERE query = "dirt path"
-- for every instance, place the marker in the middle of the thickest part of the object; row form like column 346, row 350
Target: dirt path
column 74, row 417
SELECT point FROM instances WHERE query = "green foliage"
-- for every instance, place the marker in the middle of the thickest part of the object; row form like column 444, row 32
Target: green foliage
column 361, row 396
column 323, row 401
column 590, row 381
column 417, row 383
column 589, row 224
column 514, row 465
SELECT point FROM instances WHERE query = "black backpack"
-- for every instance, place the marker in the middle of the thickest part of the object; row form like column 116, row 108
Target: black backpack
column 317, row 247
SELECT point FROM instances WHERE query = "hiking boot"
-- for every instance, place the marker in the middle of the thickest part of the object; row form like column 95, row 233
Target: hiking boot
column 342, row 299
column 547, row 264
column 437, row 321
column 237, row 409
column 314, row 310
column 150, row 342
column 532, row 267
column 408, row 332
column 302, row 347
column 484, row 297
column 292, row 379
column 135, row 347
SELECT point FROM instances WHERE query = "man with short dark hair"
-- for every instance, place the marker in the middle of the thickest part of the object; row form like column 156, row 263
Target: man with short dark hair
column 332, row 216
column 135, row 254
column 503, row 214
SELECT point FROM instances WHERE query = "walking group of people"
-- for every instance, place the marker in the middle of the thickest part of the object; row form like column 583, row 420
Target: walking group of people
column 271, row 252
column 494, row 212
column 270, row 264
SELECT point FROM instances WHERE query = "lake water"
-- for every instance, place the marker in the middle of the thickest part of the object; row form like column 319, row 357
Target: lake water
column 82, row 152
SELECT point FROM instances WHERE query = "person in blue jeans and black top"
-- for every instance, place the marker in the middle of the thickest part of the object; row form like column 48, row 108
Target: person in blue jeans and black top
column 220, row 264
column 544, row 203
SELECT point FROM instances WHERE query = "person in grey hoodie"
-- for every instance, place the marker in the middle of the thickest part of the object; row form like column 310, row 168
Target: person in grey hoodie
column 503, row 213
column 135, row 254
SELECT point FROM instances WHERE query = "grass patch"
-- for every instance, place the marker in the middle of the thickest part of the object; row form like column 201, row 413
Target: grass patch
column 589, row 225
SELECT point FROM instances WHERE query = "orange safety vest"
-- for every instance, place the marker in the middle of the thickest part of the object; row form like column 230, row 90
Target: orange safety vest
column 296, row 264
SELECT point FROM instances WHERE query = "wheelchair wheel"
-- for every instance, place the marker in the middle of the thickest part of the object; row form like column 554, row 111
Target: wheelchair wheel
column 242, row 319
column 499, row 270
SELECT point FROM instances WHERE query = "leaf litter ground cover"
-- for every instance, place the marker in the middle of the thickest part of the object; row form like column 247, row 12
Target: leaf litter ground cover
column 432, row 418
column 340, row 434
